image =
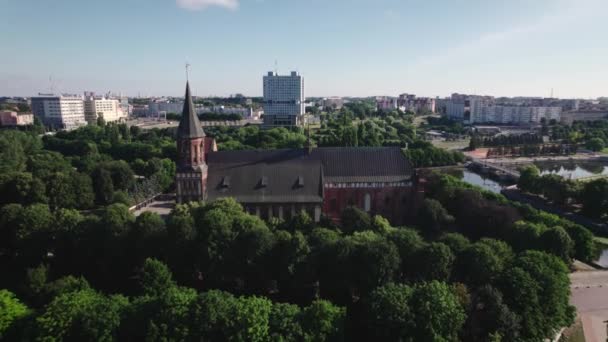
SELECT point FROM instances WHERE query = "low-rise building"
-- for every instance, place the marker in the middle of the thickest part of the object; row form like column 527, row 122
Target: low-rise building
column 100, row 107
column 335, row 103
column 242, row 111
column 9, row 119
column 568, row 118
column 157, row 106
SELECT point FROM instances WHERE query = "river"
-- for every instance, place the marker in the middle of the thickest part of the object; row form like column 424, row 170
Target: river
column 573, row 169
column 603, row 260
column 486, row 183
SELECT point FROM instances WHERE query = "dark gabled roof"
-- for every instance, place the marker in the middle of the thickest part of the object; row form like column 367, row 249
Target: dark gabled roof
column 363, row 164
column 296, row 176
column 340, row 164
column 189, row 124
column 266, row 183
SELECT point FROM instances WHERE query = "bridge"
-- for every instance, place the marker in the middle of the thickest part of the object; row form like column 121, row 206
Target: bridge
column 498, row 170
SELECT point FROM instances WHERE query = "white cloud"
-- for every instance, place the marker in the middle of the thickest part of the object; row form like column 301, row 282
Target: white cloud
column 197, row 5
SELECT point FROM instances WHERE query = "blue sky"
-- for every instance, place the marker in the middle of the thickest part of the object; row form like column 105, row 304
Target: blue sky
column 342, row 47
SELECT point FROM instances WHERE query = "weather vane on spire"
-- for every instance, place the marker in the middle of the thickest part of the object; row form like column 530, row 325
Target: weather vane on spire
column 187, row 71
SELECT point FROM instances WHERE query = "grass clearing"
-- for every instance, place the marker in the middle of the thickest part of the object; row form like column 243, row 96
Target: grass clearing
column 574, row 333
column 600, row 239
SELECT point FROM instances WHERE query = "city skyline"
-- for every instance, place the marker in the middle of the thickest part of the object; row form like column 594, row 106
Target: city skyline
column 357, row 48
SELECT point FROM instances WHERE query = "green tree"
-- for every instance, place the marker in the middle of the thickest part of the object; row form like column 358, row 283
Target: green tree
column 284, row 323
column 355, row 220
column 390, row 317
column 155, row 278
column 23, row 188
column 594, row 199
column 220, row 316
column 81, row 316
column 491, row 317
column 438, row 313
column 457, row 242
column 103, row 186
column 250, row 319
column 211, row 315
column 322, row 321
column 432, row 216
column 374, row 261
column 35, row 283
column 537, row 288
column 584, row 245
column 15, row 146
column 595, row 144
column 164, row 317
column 67, row 284
column 529, row 179
column 557, row 242
column 478, row 264
column 435, row 262
column 11, row 311
column 148, row 237
column 116, row 219
column 71, row 190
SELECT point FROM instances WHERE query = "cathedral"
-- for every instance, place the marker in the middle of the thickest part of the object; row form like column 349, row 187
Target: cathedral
column 281, row 183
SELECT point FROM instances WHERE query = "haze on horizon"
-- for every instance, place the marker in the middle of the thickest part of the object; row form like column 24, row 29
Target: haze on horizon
column 342, row 48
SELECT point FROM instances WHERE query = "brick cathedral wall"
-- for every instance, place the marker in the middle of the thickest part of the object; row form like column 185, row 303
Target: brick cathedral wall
column 396, row 204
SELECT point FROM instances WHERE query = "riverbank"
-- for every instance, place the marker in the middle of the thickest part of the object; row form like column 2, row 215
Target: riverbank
column 537, row 202
column 529, row 160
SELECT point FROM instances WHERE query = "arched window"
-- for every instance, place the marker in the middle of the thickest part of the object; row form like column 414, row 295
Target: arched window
column 367, row 202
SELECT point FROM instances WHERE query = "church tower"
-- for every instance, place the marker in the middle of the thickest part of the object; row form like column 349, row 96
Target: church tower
column 191, row 176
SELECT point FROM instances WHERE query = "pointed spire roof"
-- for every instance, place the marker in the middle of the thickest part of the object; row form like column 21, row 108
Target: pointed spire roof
column 189, row 124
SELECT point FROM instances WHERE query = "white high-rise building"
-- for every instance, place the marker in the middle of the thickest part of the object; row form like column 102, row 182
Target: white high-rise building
column 101, row 107
column 283, row 99
column 59, row 111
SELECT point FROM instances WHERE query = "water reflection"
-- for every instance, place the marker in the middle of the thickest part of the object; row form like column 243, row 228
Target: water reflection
column 573, row 169
column 603, row 260
column 486, row 183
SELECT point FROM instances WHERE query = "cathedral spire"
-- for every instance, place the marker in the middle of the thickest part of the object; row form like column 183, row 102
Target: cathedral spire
column 189, row 124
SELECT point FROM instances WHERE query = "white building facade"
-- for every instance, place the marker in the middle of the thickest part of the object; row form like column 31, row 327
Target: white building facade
column 155, row 107
column 333, row 102
column 518, row 115
column 99, row 107
column 283, row 99
column 59, row 112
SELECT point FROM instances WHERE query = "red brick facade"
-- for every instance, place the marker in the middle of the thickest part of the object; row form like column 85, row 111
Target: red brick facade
column 394, row 203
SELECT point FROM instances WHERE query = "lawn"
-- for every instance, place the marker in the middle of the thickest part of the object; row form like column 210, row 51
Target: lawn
column 602, row 240
column 451, row 145
column 574, row 333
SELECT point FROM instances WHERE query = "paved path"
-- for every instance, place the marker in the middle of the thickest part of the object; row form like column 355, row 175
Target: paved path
column 590, row 296
column 163, row 208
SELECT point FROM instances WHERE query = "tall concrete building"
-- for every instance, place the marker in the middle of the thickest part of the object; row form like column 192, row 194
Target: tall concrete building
column 100, row 107
column 59, row 111
column 283, row 99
